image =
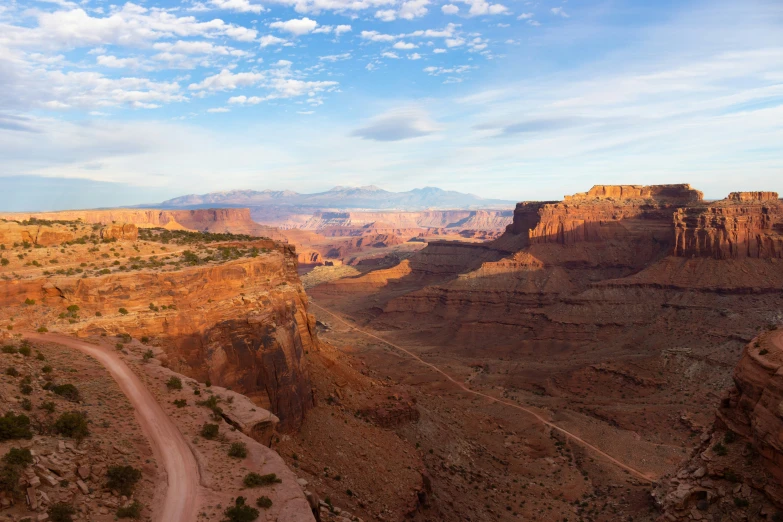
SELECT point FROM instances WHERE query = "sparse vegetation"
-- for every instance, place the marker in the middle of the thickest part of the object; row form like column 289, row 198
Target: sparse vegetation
column 720, row 450
column 264, row 502
column 238, row 450
column 67, row 391
column 210, row 431
column 240, row 512
column 254, row 480
column 122, row 479
column 174, row 383
column 61, row 512
column 72, row 424
column 131, row 511
column 123, row 311
column 180, row 403
column 14, row 426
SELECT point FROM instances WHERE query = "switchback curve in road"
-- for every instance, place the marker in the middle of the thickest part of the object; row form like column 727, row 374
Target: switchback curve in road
column 168, row 443
column 633, row 471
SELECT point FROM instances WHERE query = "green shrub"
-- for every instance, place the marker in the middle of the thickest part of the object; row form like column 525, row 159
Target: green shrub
column 67, row 391
column 72, row 424
column 210, row 431
column 25, row 350
column 763, row 351
column 26, row 389
column 42, row 329
column 122, row 479
column 9, row 349
column 180, row 403
column 26, row 404
column 131, row 511
column 240, row 512
column 238, row 450
column 264, row 502
column 148, row 355
column 40, row 356
column 18, row 457
column 47, row 369
column 15, row 427
column 145, row 339
column 48, row 406
column 9, row 479
column 254, row 480
column 13, row 372
column 29, row 302
column 720, row 450
column 61, row 512
column 123, row 311
column 174, row 383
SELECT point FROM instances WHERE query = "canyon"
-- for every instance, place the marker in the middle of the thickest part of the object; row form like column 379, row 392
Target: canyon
column 610, row 356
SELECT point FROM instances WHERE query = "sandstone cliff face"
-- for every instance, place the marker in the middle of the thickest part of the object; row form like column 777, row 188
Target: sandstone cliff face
column 42, row 235
column 126, row 231
column 233, row 220
column 241, row 324
column 745, row 225
column 681, row 194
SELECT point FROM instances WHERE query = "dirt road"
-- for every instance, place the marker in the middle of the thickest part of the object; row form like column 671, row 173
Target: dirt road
column 633, row 471
column 181, row 500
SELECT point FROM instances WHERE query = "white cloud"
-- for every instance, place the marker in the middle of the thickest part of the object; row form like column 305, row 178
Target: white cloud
column 285, row 88
column 219, row 109
column 241, row 6
column 559, row 11
column 405, row 45
column 225, row 80
column 438, row 71
column 439, row 51
column 268, row 40
column 117, row 63
column 335, row 57
column 411, row 9
column 454, row 42
column 414, row 56
column 386, row 15
column 375, row 36
column 196, row 47
column 296, row 26
column 450, row 9
column 390, row 54
column 340, row 29
column 283, row 63
column 525, row 16
column 398, row 124
column 482, row 7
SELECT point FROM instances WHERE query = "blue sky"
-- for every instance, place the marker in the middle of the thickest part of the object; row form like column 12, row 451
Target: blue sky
column 508, row 99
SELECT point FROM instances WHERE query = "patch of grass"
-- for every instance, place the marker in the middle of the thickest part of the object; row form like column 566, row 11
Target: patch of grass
column 9, row 349
column 25, row 350
column 174, row 383
column 240, row 512
column 254, row 480
column 210, row 431
column 238, row 450
column 122, row 479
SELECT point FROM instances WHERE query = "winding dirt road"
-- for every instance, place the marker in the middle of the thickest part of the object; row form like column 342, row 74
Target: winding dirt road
column 168, row 444
column 633, row 471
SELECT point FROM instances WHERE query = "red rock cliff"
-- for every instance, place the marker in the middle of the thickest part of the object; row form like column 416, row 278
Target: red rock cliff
column 744, row 225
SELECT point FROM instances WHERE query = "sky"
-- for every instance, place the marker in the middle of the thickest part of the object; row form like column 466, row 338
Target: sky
column 107, row 104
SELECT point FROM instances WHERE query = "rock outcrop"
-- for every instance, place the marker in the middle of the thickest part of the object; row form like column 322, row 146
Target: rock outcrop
column 36, row 234
column 744, row 225
column 126, row 231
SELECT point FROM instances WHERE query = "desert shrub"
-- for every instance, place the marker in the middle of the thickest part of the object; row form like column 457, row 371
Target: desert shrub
column 29, row 302
column 98, row 314
column 26, row 404
column 720, row 449
column 9, row 479
column 61, row 512
column 741, row 502
column 25, row 350
column 174, row 383
column 47, row 406
column 119, row 346
column 14, row 426
column 73, row 309
column 254, row 480
column 122, row 479
column 180, row 403
column 9, row 349
column 26, row 389
column 18, row 457
column 145, row 339
column 131, row 511
column 72, row 424
column 4, row 261
column 264, row 502
column 210, row 431
column 763, row 351
column 148, row 355
column 67, row 391
column 47, row 369
column 40, row 356
column 240, row 512
column 729, row 437
column 42, row 329
column 123, row 311
column 238, row 450
column 13, row 372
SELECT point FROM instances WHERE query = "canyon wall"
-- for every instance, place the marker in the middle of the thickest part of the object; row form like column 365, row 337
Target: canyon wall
column 473, row 219
column 744, row 225
column 221, row 220
column 241, row 324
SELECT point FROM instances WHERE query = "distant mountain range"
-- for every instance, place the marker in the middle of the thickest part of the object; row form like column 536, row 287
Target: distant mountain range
column 369, row 198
